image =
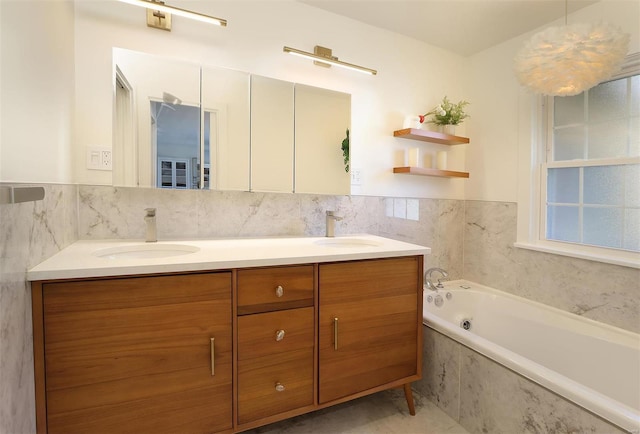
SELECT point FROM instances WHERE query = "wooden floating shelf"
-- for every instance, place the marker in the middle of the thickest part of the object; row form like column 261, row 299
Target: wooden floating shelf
column 430, row 172
column 430, row 136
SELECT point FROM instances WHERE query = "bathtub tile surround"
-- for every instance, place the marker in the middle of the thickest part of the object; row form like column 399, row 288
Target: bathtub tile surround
column 495, row 399
column 440, row 372
column 598, row 291
column 489, row 234
column 485, row 397
column 29, row 233
column 602, row 292
column 450, row 237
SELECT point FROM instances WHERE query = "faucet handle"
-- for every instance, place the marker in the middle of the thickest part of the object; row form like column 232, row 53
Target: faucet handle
column 429, row 282
column 333, row 216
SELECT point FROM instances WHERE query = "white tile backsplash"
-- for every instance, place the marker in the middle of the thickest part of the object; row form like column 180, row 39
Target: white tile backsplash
column 413, row 209
column 400, row 208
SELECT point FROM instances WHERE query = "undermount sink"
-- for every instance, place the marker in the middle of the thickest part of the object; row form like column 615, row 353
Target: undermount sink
column 146, row 251
column 347, row 242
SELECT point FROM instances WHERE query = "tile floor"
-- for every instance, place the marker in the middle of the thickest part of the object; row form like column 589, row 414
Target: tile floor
column 381, row 413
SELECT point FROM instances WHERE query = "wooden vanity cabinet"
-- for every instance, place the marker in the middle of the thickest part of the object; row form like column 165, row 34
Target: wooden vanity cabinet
column 138, row 355
column 370, row 329
column 223, row 351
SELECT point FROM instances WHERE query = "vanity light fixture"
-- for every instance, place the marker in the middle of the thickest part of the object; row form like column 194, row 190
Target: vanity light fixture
column 159, row 14
column 322, row 57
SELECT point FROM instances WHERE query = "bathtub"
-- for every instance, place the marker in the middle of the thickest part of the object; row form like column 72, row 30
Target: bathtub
column 592, row 364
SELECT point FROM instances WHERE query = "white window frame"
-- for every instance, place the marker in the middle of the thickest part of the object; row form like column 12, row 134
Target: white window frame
column 532, row 182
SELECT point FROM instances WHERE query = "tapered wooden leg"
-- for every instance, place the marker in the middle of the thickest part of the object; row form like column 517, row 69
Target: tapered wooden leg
column 409, row 396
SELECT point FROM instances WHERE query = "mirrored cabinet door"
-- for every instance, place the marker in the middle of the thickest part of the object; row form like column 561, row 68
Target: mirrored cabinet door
column 226, row 123
column 322, row 118
column 271, row 135
column 162, row 94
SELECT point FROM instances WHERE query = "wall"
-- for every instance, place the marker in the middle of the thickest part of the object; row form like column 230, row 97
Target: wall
column 412, row 76
column 598, row 291
column 36, row 88
column 36, row 91
column 499, row 159
column 30, row 232
column 501, row 124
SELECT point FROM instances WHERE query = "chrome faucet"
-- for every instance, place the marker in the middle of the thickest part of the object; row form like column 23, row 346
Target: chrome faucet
column 331, row 224
column 428, row 279
column 150, row 220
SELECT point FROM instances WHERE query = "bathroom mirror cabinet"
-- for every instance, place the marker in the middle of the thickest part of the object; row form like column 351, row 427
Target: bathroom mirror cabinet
column 185, row 126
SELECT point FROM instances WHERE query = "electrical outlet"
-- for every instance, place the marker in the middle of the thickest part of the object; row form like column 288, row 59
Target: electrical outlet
column 356, row 177
column 105, row 160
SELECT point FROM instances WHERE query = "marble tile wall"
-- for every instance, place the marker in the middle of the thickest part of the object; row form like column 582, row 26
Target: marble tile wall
column 480, row 232
column 108, row 212
column 29, row 233
column 485, row 397
column 601, row 292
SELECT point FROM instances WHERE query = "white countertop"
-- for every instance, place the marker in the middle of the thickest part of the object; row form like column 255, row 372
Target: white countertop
column 79, row 259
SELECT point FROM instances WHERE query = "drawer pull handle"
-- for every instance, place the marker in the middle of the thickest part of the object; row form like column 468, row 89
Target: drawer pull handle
column 279, row 387
column 213, row 354
column 279, row 291
column 335, row 333
column 279, row 335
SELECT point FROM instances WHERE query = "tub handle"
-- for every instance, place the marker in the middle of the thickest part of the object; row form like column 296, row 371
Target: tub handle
column 335, row 333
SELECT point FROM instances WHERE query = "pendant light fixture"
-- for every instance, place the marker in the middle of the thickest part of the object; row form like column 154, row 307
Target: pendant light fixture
column 567, row 60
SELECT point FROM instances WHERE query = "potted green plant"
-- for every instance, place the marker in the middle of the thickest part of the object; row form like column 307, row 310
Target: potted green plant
column 446, row 113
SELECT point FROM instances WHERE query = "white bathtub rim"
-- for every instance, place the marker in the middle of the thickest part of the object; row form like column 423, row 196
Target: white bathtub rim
column 613, row 411
column 456, row 284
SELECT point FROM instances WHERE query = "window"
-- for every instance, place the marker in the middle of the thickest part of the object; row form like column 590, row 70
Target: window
column 584, row 198
column 592, row 170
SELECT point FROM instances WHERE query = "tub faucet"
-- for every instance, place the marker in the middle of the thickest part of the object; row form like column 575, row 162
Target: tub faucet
column 428, row 279
column 331, row 223
column 150, row 220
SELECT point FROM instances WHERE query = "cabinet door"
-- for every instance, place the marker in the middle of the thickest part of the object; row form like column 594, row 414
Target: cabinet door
column 136, row 355
column 372, row 309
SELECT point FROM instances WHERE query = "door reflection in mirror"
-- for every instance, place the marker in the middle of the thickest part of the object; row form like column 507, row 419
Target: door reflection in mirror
column 175, row 138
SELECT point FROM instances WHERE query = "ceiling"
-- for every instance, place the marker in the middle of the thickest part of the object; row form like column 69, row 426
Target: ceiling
column 465, row 27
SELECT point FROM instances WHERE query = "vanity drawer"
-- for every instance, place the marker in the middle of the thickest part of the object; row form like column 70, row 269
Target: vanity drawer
column 258, row 334
column 274, row 288
column 274, row 384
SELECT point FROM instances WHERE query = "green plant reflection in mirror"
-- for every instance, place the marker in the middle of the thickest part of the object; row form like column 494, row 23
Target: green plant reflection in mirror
column 345, row 152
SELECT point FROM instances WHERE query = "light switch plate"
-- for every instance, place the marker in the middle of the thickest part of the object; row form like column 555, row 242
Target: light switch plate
column 99, row 158
column 356, row 177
